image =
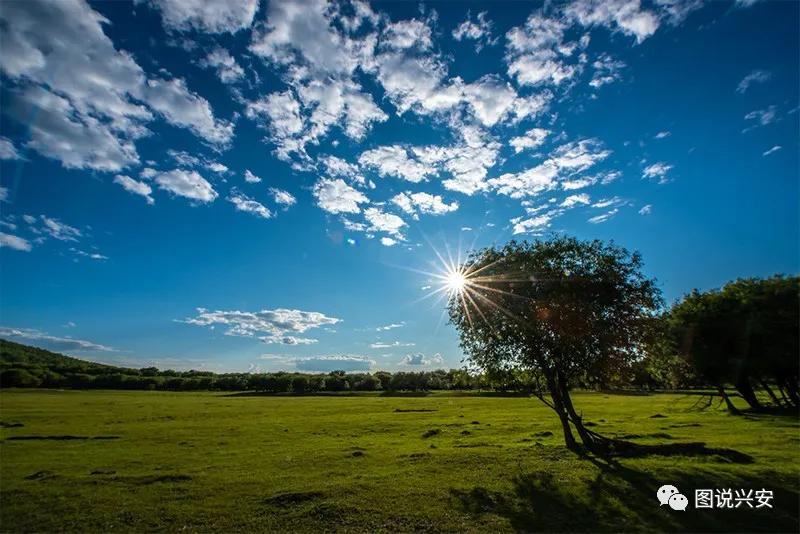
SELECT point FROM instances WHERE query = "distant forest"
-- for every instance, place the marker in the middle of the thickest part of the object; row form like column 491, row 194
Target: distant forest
column 30, row 367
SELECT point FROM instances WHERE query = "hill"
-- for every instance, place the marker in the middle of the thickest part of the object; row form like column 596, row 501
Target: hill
column 15, row 354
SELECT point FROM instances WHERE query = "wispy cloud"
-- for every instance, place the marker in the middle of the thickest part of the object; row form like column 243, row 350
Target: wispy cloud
column 64, row 344
column 757, row 76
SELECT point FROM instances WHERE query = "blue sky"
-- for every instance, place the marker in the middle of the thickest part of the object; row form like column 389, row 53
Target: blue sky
column 262, row 185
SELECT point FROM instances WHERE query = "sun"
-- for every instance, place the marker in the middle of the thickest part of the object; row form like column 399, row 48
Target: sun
column 455, row 281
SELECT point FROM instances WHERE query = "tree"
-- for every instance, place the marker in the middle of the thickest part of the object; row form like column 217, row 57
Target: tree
column 745, row 334
column 300, row 384
column 559, row 308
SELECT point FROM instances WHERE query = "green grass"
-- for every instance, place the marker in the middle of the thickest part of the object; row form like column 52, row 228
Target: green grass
column 208, row 461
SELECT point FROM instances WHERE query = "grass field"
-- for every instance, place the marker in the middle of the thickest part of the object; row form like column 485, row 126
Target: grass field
column 211, row 461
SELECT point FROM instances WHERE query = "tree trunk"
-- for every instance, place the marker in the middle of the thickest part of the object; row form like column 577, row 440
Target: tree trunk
column 560, row 409
column 731, row 408
column 791, row 390
column 769, row 391
column 745, row 389
column 590, row 440
column 783, row 394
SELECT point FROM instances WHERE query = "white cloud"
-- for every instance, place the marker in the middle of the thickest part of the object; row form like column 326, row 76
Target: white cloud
column 14, row 242
column 8, row 150
column 757, row 76
column 606, row 70
column 388, row 241
column 394, row 161
column 676, row 11
column 216, row 167
column 246, row 204
column 421, row 359
column 772, row 150
column 646, row 210
column 421, row 202
column 300, row 33
column 533, row 224
column 533, row 138
column 387, row 345
column 574, row 200
column 662, row 135
column 607, row 202
column 536, row 53
column 604, row 217
column 762, row 117
column 135, row 186
column 405, row 34
column 3, row 194
column 282, row 197
column 479, row 31
column 327, row 364
column 189, row 184
column 251, row 178
column 335, row 196
column 271, row 326
column 657, row 171
column 91, row 255
column 211, row 16
column 77, row 140
column 490, row 99
column 565, row 161
column 339, row 168
column 626, row 16
column 173, row 100
column 390, row 326
column 467, row 162
column 227, row 69
column 64, row 344
column 58, row 230
column 100, row 107
column 384, row 222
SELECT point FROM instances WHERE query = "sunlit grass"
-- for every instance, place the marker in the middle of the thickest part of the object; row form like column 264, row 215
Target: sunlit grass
column 209, row 461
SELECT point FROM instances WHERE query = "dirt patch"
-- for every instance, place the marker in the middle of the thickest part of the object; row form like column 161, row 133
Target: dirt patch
column 430, row 433
column 658, row 416
column 3, row 424
column 411, row 410
column 545, row 434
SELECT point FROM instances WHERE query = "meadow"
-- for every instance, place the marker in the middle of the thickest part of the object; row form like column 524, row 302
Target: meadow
column 103, row 461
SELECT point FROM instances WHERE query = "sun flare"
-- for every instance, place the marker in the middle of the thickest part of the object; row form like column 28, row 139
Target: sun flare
column 455, row 281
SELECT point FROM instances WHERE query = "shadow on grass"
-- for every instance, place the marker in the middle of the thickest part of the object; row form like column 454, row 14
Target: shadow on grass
column 627, row 449
column 621, row 499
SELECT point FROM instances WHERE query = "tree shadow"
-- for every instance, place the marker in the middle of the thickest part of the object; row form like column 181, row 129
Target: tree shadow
column 627, row 449
column 623, row 499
